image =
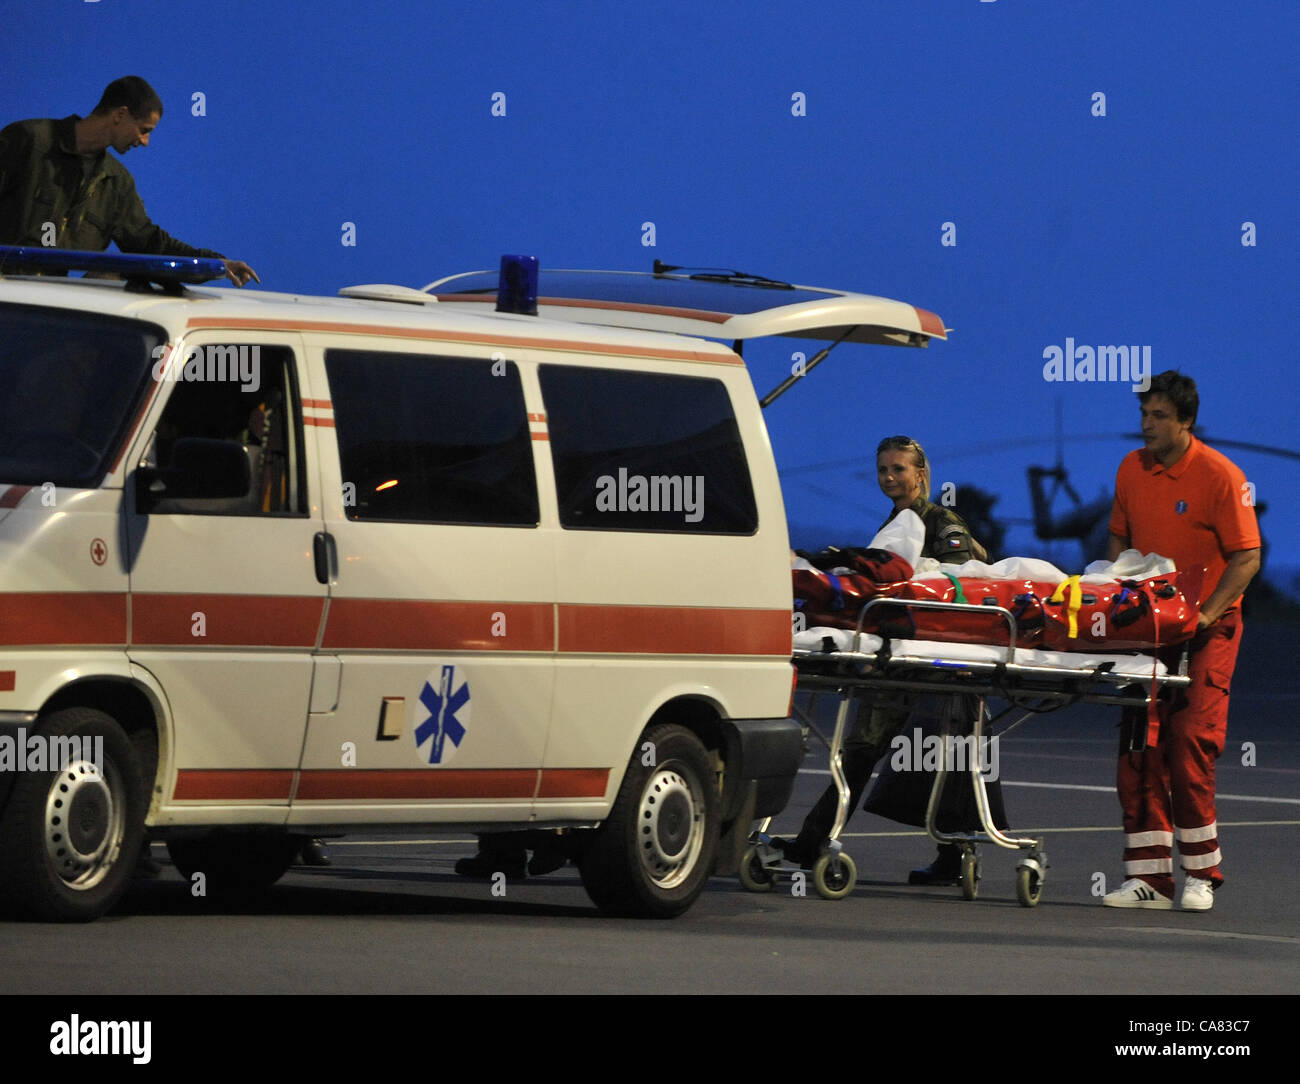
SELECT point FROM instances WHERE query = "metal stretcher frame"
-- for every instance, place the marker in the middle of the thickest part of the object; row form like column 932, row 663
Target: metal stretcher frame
column 846, row 674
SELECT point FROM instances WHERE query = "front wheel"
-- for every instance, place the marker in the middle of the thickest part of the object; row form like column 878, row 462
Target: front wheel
column 1029, row 886
column 834, row 875
column 71, row 835
column 652, row 856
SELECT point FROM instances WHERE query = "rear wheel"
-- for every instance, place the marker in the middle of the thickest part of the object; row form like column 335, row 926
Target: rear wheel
column 652, row 856
column 235, row 864
column 70, row 838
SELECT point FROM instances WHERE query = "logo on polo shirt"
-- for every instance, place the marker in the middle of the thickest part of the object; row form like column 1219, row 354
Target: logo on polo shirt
column 1180, row 507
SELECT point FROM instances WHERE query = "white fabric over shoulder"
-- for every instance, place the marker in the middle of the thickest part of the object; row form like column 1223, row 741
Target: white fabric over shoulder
column 1009, row 568
column 903, row 535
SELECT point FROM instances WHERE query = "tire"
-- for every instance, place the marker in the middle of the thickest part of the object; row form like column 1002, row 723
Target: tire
column 1029, row 886
column 652, row 856
column 236, row 864
column 754, row 876
column 970, row 874
column 834, row 876
column 70, row 839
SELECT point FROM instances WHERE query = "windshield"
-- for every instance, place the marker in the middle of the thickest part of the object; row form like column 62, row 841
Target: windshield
column 70, row 384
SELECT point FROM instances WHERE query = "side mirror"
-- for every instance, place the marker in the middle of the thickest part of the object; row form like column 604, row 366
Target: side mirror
column 201, row 469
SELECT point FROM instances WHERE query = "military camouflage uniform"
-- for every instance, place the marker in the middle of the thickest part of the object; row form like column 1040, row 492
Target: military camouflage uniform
column 948, row 540
column 90, row 199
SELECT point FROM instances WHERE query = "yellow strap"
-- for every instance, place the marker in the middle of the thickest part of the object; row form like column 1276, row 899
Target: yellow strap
column 1076, row 600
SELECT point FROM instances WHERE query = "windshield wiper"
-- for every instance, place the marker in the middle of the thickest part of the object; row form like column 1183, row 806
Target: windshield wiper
column 721, row 274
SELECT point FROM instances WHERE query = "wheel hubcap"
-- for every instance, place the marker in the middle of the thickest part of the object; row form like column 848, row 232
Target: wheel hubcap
column 84, row 824
column 669, row 834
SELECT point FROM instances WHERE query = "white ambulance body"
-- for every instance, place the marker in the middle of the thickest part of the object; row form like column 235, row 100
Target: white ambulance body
column 294, row 565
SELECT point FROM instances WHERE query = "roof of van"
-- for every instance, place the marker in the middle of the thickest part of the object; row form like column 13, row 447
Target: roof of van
column 222, row 307
column 576, row 310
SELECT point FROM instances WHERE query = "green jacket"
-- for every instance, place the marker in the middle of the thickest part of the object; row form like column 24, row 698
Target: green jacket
column 42, row 180
column 947, row 538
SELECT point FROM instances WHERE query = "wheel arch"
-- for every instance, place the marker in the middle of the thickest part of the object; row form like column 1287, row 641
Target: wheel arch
column 135, row 707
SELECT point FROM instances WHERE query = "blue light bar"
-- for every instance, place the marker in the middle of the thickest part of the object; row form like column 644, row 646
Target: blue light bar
column 16, row 260
column 517, row 285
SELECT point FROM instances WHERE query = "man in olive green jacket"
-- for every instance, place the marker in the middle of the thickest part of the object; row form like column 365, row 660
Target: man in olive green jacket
column 60, row 188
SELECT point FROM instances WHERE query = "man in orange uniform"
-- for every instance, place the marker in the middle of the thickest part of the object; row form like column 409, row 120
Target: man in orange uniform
column 1186, row 501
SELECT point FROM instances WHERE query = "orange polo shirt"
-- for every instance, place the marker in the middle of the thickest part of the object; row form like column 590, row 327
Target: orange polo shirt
column 1197, row 512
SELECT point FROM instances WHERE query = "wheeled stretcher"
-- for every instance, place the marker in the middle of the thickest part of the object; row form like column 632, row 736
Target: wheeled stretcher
column 847, row 663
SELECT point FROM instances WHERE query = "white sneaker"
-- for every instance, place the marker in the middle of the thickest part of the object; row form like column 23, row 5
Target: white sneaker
column 1136, row 893
column 1198, row 894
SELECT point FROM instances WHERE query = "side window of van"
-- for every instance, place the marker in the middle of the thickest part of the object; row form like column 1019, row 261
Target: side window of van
column 430, row 439
column 246, row 395
column 646, row 452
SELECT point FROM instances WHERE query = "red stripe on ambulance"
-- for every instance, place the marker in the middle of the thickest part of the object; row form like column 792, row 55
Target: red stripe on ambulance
column 930, row 323
column 673, row 630
column 11, row 496
column 573, row 783
column 69, row 617
column 226, row 620
column 439, row 626
column 62, row 617
column 416, row 783
column 234, row 784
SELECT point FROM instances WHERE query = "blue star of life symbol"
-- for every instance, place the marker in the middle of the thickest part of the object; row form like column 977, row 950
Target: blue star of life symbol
column 442, row 704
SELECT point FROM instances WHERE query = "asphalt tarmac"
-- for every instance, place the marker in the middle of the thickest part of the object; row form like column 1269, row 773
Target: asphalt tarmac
column 390, row 916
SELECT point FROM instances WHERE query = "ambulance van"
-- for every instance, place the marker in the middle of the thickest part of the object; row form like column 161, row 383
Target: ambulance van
column 276, row 566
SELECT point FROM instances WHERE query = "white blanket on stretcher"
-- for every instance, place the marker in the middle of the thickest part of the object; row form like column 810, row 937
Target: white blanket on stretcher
column 813, row 641
column 904, row 535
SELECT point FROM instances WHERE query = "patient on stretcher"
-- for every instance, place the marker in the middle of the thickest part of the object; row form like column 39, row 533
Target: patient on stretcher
column 1138, row 602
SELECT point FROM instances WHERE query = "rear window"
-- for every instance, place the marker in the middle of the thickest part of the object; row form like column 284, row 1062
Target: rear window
column 432, row 439
column 646, row 452
column 72, row 383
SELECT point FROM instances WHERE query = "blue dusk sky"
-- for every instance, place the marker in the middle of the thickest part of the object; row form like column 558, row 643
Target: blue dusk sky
column 1112, row 173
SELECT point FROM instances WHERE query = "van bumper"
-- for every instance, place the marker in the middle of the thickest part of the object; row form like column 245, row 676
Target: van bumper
column 763, row 758
column 763, row 752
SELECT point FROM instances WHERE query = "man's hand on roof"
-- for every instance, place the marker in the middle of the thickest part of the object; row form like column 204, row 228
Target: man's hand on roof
column 239, row 272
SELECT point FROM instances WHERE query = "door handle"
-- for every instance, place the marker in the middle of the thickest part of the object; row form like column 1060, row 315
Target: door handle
column 326, row 557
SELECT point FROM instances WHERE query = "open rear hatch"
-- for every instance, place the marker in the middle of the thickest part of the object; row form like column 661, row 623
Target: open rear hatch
column 712, row 304
column 708, row 303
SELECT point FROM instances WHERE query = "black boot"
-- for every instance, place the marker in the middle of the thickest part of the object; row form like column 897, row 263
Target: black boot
column 503, row 853
column 312, row 853
column 945, row 870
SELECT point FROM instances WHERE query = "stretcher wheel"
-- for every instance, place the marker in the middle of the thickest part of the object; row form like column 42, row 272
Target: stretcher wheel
column 970, row 874
column 834, row 876
column 755, row 876
column 1029, row 886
